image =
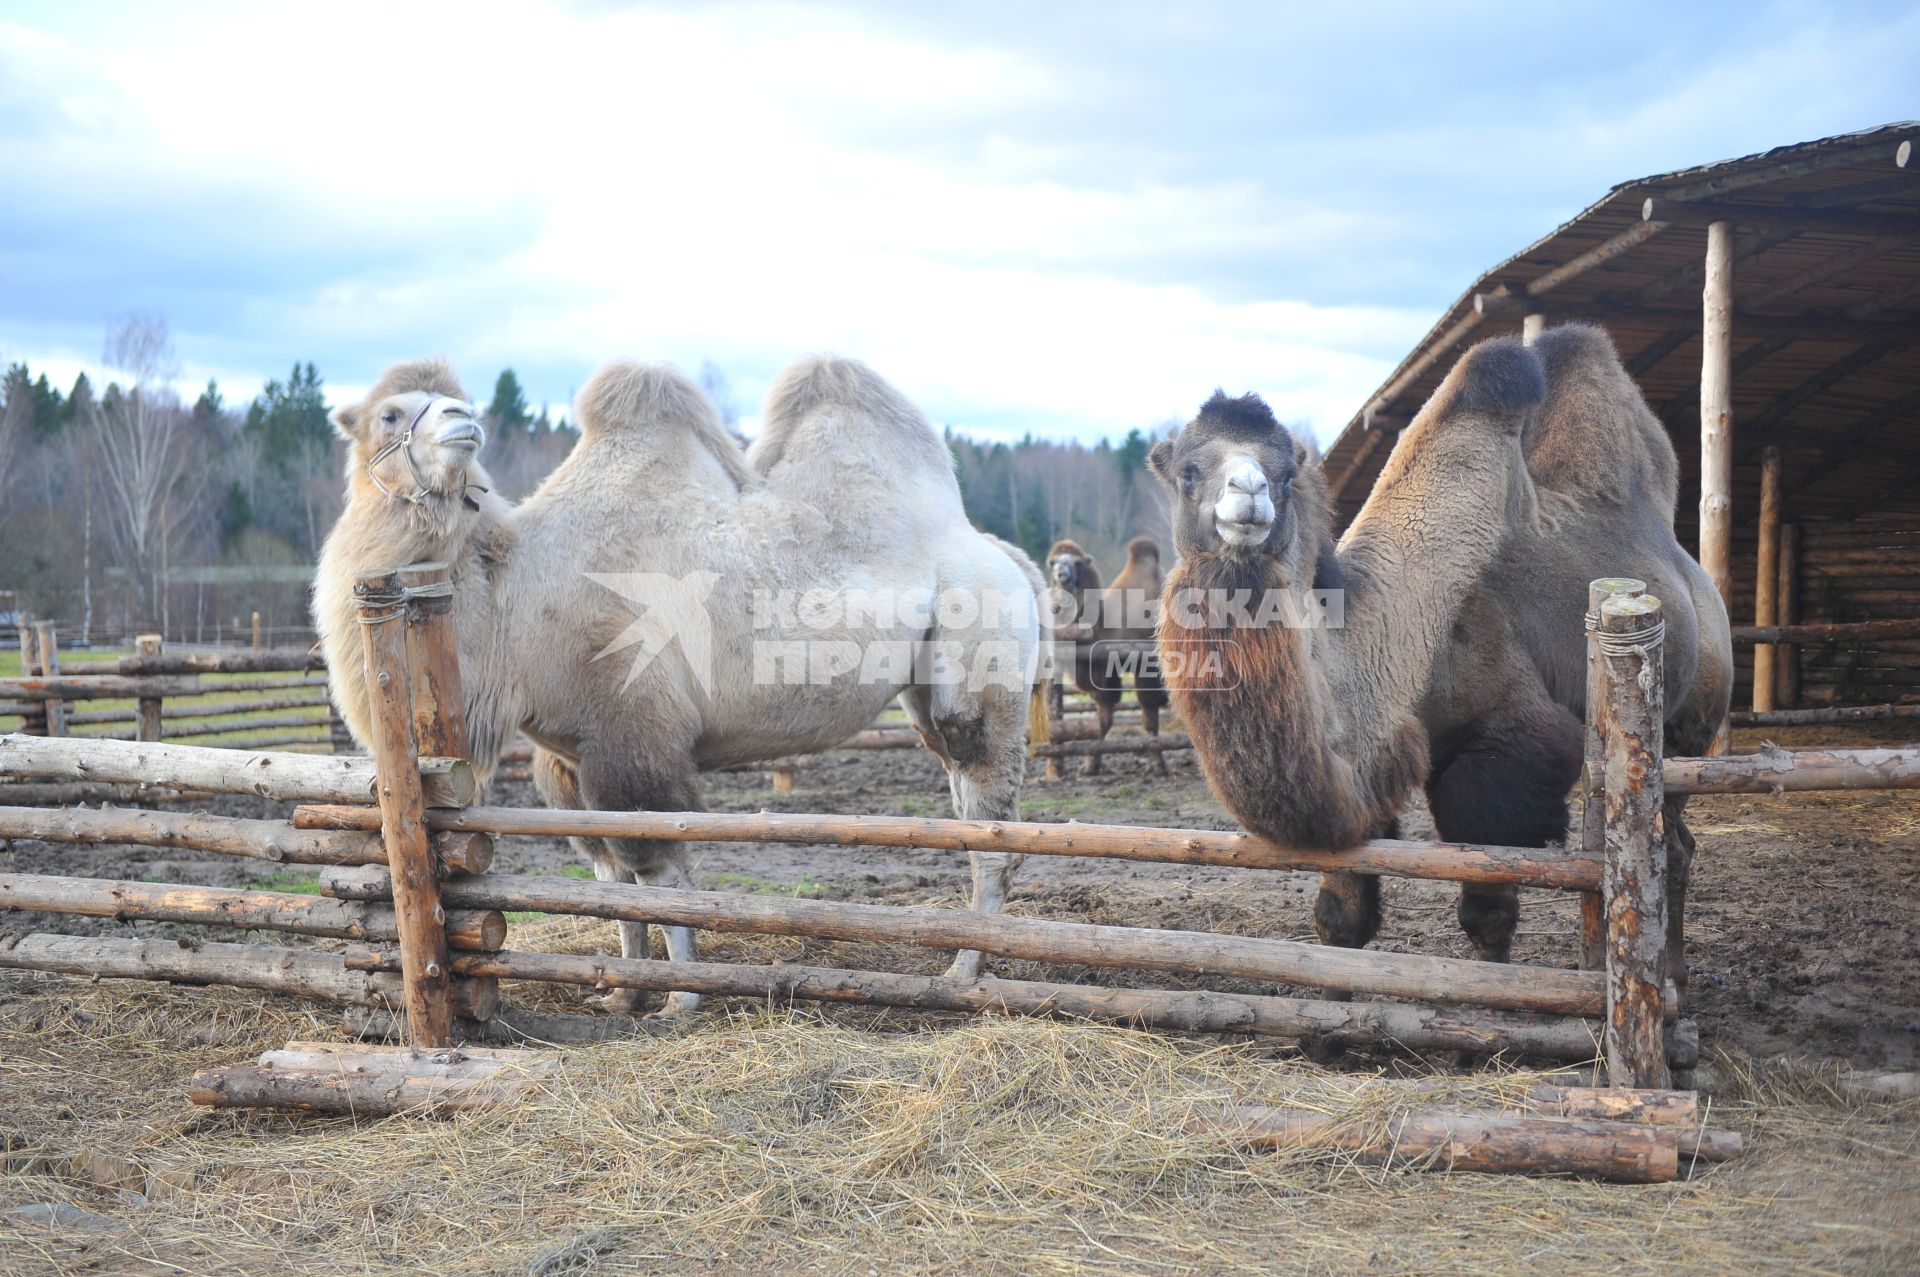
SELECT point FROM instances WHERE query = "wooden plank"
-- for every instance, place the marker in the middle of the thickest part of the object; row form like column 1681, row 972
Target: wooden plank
column 1767, row 577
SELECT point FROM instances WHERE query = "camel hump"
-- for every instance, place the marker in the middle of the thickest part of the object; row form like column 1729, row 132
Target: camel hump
column 654, row 411
column 1499, row 376
column 1595, row 433
column 842, row 397
column 1141, row 549
column 626, row 395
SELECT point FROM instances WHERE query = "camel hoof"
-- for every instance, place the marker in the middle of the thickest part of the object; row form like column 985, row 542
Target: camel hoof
column 966, row 966
column 677, row 1006
column 623, row 1002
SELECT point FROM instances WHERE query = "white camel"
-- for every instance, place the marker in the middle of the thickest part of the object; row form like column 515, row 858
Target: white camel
column 665, row 603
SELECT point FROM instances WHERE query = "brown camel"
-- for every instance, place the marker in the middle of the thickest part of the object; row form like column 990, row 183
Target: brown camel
column 1461, row 662
column 1120, row 611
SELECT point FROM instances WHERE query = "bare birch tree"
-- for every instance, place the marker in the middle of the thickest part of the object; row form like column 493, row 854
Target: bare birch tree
column 139, row 434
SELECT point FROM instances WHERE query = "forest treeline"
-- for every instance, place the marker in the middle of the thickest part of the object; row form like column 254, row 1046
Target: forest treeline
column 128, row 510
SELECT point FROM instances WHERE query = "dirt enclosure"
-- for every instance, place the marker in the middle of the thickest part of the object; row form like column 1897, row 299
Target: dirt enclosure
column 854, row 1140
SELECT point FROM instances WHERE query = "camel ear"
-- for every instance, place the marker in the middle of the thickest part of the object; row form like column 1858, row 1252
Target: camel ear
column 348, row 419
column 1160, row 460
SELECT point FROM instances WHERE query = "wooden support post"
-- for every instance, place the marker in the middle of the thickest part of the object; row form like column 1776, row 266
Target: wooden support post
column 1531, row 327
column 48, row 641
column 34, row 721
column 783, row 778
column 1766, row 584
column 1787, row 604
column 1716, row 422
column 148, row 725
column 1056, row 715
column 433, row 659
column 1593, row 812
column 1636, row 865
column 256, row 630
column 416, row 896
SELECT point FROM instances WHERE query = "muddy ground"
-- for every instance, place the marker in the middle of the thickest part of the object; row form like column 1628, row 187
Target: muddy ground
column 1804, row 922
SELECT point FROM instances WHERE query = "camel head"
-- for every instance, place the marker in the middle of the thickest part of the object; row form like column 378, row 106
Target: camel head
column 1243, row 486
column 415, row 437
column 1071, row 568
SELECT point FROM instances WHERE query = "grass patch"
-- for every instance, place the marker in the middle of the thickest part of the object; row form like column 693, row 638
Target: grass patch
column 293, row 880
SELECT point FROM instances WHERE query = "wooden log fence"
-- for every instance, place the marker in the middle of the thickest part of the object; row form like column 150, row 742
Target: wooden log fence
column 402, row 859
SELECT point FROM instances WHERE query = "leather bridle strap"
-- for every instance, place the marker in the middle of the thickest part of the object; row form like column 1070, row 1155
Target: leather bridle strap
column 404, row 446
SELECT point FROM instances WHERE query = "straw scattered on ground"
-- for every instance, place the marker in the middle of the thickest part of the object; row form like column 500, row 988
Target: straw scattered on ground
column 773, row 1141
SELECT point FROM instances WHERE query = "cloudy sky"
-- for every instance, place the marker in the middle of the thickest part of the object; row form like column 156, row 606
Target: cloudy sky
column 1068, row 219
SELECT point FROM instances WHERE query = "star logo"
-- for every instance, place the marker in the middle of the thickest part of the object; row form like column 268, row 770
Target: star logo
column 669, row 611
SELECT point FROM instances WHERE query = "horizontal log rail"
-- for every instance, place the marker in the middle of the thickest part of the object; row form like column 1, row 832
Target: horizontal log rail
column 81, row 687
column 1798, row 771
column 1123, row 745
column 1840, row 632
column 1447, row 980
column 282, row 776
column 1821, row 716
column 1569, row 869
column 303, row 972
column 234, row 727
column 288, row 911
column 1412, row 1027
column 269, row 660
column 272, row 840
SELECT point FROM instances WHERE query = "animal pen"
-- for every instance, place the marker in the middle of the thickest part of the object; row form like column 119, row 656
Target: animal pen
column 404, row 851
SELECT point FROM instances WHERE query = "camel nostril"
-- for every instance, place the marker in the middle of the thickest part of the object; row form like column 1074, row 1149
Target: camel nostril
column 1250, row 481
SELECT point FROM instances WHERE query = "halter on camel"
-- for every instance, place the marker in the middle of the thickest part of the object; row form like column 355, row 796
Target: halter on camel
column 404, row 446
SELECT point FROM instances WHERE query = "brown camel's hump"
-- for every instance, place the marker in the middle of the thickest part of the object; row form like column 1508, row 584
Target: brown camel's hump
column 1595, row 433
column 1142, row 572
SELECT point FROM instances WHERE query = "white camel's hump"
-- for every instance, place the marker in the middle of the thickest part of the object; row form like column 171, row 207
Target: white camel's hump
column 653, row 408
column 825, row 407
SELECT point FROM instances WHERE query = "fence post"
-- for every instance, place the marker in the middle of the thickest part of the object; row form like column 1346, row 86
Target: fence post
column 256, row 630
column 1635, row 874
column 1593, row 811
column 420, row 919
column 50, row 667
column 148, row 725
column 1057, row 718
column 433, row 656
column 34, row 721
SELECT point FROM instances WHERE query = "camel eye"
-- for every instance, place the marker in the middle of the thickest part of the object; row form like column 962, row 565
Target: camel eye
column 1191, row 475
column 391, row 416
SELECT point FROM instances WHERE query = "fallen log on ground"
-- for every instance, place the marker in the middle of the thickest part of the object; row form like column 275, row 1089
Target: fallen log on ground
column 1565, row 868
column 1449, row 980
column 372, row 1081
column 1623, row 1152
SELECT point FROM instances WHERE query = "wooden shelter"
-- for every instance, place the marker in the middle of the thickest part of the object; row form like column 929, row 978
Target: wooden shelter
column 1770, row 308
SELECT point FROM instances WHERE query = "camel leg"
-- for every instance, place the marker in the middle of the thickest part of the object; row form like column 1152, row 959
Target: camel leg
column 981, row 736
column 1504, row 783
column 619, row 781
column 1104, row 703
column 1347, row 912
column 1680, row 849
column 1152, row 695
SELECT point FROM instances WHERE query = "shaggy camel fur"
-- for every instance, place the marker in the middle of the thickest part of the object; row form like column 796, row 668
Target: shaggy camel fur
column 785, row 596
column 1462, row 660
column 1120, row 611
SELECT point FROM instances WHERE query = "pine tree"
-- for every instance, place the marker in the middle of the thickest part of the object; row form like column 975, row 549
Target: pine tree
column 48, row 410
column 291, row 419
column 508, row 411
column 211, row 405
